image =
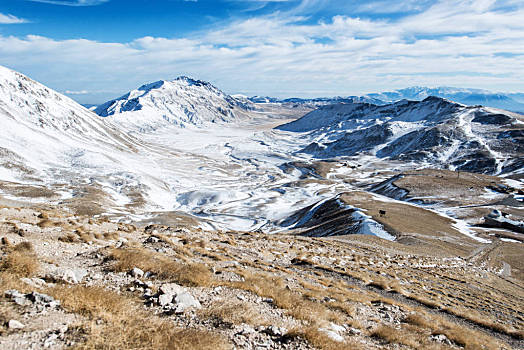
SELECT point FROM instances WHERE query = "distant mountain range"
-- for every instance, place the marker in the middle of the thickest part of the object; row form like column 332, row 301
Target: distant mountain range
column 508, row 101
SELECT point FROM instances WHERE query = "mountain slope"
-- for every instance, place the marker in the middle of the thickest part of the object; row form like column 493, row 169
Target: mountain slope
column 181, row 102
column 42, row 129
column 434, row 131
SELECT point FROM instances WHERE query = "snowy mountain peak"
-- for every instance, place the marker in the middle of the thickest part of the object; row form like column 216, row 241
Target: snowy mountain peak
column 182, row 102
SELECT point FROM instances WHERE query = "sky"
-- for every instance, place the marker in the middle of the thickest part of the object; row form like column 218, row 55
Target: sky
column 96, row 50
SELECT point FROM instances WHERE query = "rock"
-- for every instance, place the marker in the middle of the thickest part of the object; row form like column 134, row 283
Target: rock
column 136, row 272
column 152, row 239
column 184, row 301
column 42, row 299
column 74, row 276
column 34, row 282
column 354, row 331
column 441, row 338
column 244, row 329
column 171, row 288
column 275, row 331
column 165, row 299
column 14, row 324
column 332, row 335
column 17, row 297
column 334, row 332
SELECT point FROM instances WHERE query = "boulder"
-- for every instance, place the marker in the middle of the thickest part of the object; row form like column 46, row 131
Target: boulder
column 14, row 324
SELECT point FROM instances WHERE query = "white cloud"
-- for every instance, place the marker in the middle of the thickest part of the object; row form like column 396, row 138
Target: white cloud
column 461, row 43
column 10, row 19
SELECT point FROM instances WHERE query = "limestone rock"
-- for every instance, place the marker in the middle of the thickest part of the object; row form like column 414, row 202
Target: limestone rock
column 14, row 324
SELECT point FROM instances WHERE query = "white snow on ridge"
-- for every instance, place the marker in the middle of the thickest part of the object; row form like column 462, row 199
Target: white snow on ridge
column 182, row 102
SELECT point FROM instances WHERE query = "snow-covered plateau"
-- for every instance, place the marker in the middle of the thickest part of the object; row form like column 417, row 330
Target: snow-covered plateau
column 185, row 146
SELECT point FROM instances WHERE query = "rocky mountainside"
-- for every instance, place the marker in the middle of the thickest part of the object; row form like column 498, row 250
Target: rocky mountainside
column 434, row 131
column 181, row 102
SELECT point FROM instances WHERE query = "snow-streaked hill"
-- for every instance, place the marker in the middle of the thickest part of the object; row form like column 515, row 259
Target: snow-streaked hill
column 181, row 102
column 434, row 132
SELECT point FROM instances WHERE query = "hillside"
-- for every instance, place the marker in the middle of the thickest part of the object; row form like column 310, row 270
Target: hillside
column 435, row 131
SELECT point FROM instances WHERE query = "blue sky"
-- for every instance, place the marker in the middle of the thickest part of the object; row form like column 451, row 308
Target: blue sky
column 94, row 50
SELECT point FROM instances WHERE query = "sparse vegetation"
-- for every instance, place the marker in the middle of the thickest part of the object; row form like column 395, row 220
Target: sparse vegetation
column 20, row 261
column 119, row 323
column 193, row 274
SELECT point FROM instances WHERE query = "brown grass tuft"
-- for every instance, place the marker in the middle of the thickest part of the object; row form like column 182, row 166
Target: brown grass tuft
column 20, row 263
column 321, row 340
column 234, row 314
column 392, row 335
column 23, row 247
column 190, row 274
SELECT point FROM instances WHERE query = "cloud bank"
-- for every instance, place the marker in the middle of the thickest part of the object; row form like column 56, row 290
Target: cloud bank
column 462, row 43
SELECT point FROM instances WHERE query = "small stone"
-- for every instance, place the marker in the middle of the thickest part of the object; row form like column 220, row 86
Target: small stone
column 73, row 276
column 43, row 299
column 185, row 301
column 275, row 331
column 171, row 288
column 14, row 324
column 165, row 299
column 441, row 338
column 136, row 272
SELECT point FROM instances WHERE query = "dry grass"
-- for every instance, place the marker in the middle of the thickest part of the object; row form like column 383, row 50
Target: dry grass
column 271, row 286
column 22, row 263
column 189, row 274
column 23, row 247
column 392, row 335
column 458, row 334
column 321, row 340
column 234, row 314
column 114, row 321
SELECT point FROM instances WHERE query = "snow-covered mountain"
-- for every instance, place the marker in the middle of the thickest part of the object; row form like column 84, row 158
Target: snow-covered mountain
column 181, row 102
column 42, row 129
column 434, row 131
column 470, row 97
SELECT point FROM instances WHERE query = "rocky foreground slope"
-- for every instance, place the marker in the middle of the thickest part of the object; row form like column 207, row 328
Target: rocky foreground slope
column 82, row 282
